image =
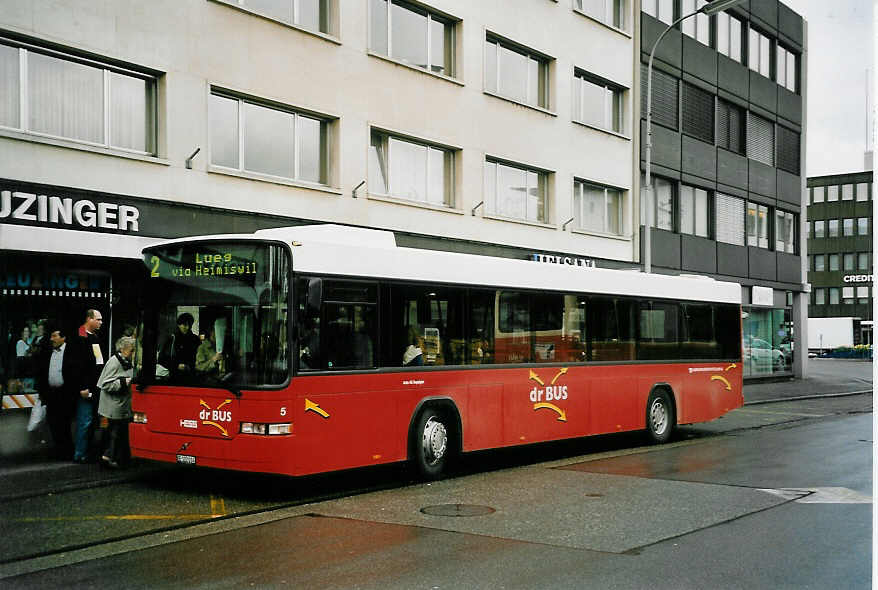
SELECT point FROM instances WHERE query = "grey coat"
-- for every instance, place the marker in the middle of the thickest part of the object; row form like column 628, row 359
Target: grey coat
column 115, row 385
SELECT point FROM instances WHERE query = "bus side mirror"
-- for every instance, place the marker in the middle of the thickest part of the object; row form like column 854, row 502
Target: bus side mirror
column 315, row 295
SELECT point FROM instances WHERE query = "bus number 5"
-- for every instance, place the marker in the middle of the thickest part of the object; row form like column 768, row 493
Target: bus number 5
column 283, row 411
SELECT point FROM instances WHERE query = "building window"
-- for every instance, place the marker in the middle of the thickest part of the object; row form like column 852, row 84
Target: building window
column 697, row 27
column 729, row 35
column 833, row 296
column 820, row 296
column 308, row 14
column 730, row 126
column 833, row 228
column 663, row 201
column 862, row 226
column 862, row 191
column 847, row 227
column 788, row 147
column 786, row 68
column 760, row 139
column 253, row 137
column 597, row 103
column 729, row 219
column 862, row 261
column 818, row 194
column 597, row 208
column 819, row 262
column 663, row 10
column 759, row 53
column 863, row 295
column 516, row 73
column 411, row 170
column 664, row 96
column 848, row 261
column 808, row 229
column 698, row 111
column 77, row 99
column 757, row 225
column 785, row 232
column 413, row 35
column 694, row 211
column 847, row 192
column 833, row 262
column 832, row 193
column 609, row 12
column 819, row 231
column 516, row 192
column 847, row 295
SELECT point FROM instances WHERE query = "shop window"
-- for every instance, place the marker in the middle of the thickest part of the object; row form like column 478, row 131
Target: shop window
column 768, row 335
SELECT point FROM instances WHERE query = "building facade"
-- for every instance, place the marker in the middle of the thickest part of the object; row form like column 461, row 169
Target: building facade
column 728, row 161
column 501, row 127
column 839, row 229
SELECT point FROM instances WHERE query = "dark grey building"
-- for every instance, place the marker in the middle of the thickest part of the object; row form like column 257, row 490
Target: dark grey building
column 839, row 229
column 728, row 113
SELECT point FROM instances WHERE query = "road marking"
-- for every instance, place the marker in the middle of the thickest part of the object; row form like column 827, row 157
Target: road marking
column 115, row 517
column 824, row 495
column 749, row 411
column 217, row 506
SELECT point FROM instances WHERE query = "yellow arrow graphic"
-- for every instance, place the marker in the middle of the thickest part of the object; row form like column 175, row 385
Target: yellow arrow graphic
column 723, row 379
column 563, row 371
column 204, row 403
column 223, row 430
column 562, row 415
column 309, row 405
column 228, row 401
column 536, row 378
column 730, row 367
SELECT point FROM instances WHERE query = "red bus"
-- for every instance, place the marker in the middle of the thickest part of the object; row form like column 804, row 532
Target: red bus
column 319, row 348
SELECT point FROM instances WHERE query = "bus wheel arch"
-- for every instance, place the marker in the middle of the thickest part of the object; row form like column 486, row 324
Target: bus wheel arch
column 661, row 413
column 434, row 437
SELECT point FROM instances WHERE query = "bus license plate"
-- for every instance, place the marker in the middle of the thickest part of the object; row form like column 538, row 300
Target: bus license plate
column 186, row 459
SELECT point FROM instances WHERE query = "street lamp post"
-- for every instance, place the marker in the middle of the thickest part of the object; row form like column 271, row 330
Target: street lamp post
column 708, row 9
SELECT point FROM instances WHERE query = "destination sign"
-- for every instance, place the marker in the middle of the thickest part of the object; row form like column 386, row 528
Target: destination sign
column 198, row 262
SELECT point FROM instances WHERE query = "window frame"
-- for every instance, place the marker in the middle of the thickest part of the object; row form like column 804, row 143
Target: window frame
column 616, row 20
column 431, row 16
column 578, row 189
column 449, row 169
column 107, row 69
column 325, row 122
column 707, row 212
column 327, row 9
column 694, row 27
column 542, row 185
column 544, row 97
column 782, row 68
column 721, row 19
column 614, row 102
column 763, row 44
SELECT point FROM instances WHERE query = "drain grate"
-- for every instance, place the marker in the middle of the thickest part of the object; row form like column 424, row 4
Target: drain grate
column 457, row 510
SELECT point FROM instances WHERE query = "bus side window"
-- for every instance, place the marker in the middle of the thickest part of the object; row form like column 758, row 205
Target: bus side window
column 308, row 319
column 481, row 328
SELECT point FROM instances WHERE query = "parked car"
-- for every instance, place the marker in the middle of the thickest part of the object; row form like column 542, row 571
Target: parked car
column 762, row 353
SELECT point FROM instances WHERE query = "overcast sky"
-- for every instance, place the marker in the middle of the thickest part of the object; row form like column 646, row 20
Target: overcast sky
column 840, row 51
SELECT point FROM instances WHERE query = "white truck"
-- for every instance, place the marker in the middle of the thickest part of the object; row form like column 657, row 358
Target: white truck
column 829, row 333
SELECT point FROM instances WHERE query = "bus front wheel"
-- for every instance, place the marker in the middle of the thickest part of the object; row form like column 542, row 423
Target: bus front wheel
column 660, row 417
column 431, row 444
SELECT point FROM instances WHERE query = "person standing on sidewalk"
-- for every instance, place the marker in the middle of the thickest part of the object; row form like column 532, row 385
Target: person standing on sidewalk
column 61, row 384
column 87, row 405
column 115, row 402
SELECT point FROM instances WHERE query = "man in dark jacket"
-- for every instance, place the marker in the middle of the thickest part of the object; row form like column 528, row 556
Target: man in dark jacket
column 62, row 381
column 95, row 356
column 178, row 353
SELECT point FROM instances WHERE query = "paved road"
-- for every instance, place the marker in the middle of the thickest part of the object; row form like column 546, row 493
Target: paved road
column 772, row 496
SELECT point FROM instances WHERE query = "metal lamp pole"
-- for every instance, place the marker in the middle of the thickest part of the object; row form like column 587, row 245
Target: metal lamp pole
column 709, row 9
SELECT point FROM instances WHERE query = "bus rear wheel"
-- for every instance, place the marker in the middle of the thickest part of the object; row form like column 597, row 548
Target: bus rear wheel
column 660, row 416
column 431, row 444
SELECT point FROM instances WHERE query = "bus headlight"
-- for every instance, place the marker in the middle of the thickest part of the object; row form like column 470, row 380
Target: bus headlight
column 139, row 418
column 265, row 429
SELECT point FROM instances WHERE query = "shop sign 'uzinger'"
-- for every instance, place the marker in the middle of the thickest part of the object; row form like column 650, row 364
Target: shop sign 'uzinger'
column 67, row 211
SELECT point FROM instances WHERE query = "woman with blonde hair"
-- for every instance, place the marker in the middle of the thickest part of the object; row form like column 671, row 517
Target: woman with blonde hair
column 115, row 402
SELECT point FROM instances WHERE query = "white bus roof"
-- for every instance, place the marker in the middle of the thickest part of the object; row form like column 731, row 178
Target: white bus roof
column 330, row 249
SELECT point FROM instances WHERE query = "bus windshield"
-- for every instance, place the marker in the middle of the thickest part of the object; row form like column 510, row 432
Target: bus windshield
column 217, row 315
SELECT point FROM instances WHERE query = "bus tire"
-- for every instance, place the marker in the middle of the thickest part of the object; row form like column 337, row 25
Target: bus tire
column 660, row 416
column 432, row 443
